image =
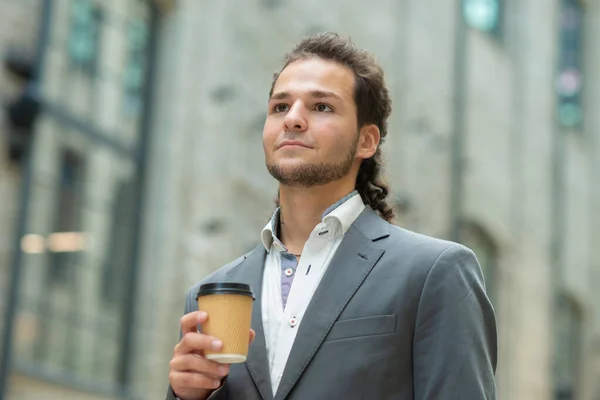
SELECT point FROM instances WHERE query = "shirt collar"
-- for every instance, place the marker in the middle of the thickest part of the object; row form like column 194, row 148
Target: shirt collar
column 269, row 233
column 344, row 212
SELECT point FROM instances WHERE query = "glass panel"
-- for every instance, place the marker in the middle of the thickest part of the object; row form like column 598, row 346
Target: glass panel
column 77, row 253
column 135, row 71
column 84, row 37
column 64, row 246
column 483, row 15
column 569, row 84
column 134, row 77
column 569, row 329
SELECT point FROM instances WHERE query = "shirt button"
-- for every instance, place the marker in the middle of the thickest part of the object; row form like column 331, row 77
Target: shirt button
column 289, row 272
column 293, row 322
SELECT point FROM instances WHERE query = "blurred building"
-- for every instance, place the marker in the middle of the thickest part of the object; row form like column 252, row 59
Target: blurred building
column 146, row 171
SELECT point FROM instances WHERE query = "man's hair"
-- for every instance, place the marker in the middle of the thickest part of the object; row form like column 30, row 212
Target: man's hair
column 373, row 105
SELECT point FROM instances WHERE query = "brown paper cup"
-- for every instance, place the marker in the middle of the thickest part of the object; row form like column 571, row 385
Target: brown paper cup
column 229, row 309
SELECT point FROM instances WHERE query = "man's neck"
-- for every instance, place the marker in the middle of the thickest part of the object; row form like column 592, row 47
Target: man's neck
column 302, row 209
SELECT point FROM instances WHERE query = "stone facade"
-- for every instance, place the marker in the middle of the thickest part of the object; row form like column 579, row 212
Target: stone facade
column 208, row 193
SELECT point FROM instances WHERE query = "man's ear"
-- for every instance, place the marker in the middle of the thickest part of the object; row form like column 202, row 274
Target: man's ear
column 368, row 141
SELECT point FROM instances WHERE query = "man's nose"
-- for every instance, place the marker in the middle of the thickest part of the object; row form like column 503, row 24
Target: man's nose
column 295, row 119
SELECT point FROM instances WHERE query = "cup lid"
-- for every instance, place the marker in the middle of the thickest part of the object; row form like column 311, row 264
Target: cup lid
column 225, row 288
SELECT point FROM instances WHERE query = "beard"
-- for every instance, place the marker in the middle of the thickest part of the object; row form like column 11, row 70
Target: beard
column 315, row 174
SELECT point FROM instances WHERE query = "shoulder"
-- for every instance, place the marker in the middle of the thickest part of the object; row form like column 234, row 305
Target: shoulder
column 421, row 245
column 401, row 243
column 424, row 252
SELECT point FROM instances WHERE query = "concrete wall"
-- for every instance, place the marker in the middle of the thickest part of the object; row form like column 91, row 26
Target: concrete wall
column 510, row 127
column 209, row 193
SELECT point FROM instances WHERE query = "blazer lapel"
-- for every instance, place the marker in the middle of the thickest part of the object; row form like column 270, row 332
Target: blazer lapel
column 250, row 271
column 355, row 258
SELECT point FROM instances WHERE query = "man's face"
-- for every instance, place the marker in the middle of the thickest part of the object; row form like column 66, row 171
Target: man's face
column 310, row 135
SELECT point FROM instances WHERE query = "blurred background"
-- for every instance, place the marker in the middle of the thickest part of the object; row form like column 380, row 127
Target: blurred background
column 131, row 166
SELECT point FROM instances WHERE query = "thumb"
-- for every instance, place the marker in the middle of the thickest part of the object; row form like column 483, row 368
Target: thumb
column 252, row 335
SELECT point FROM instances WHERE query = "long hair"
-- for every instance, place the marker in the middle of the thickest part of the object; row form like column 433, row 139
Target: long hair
column 372, row 100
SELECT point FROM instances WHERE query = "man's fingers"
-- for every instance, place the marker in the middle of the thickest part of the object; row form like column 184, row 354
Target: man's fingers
column 197, row 342
column 199, row 364
column 252, row 335
column 189, row 322
column 192, row 380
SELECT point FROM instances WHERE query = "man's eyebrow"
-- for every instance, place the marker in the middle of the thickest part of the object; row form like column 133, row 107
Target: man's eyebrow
column 315, row 93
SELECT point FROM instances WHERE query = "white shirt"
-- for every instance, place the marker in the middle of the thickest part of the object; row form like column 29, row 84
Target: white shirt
column 280, row 325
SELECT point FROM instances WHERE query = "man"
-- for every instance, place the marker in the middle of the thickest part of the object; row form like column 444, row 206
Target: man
column 348, row 305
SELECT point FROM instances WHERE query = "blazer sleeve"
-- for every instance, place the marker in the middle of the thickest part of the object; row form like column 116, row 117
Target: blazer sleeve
column 190, row 306
column 455, row 341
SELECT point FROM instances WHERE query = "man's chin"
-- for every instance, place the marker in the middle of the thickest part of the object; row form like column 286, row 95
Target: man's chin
column 303, row 174
column 288, row 168
column 297, row 177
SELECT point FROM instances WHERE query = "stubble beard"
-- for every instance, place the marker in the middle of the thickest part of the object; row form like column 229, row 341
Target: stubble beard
column 307, row 175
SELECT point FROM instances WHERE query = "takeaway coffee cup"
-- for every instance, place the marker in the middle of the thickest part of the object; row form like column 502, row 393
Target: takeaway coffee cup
column 229, row 308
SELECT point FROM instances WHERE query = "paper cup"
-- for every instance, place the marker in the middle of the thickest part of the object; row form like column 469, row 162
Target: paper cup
column 229, row 309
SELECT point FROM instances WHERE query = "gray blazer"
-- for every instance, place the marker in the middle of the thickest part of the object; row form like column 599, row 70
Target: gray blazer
column 397, row 315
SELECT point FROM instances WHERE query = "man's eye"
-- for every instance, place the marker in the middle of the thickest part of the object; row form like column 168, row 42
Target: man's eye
column 323, row 108
column 280, row 108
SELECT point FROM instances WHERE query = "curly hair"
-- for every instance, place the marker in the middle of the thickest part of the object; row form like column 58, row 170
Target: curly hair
column 373, row 105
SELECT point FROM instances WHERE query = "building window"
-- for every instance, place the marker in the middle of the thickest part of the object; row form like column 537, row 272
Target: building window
column 484, row 15
column 72, row 312
column 568, row 352
column 66, row 241
column 569, row 83
column 134, row 75
column 84, row 37
column 478, row 240
column 120, row 245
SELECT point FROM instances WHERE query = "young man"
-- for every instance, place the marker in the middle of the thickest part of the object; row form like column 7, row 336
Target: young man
column 347, row 306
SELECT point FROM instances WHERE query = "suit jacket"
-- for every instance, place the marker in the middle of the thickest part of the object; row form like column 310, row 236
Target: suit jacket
column 397, row 315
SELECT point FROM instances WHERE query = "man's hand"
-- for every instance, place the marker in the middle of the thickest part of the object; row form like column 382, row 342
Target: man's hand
column 193, row 377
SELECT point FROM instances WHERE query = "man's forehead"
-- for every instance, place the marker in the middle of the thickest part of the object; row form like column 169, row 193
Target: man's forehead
column 315, row 75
